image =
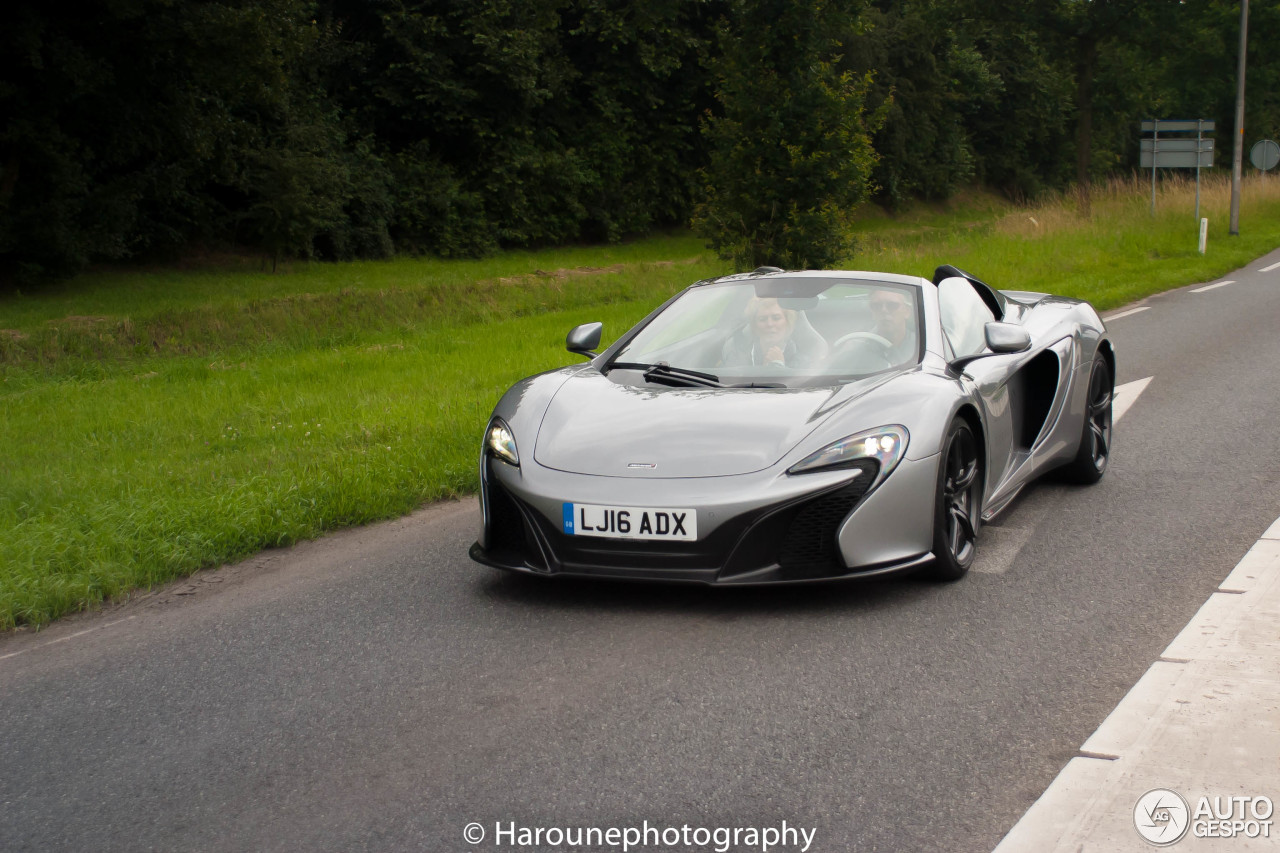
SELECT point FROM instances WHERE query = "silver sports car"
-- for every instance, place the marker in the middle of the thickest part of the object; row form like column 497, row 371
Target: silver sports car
column 777, row 427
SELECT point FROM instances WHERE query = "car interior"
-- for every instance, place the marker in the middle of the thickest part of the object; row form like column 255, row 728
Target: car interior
column 833, row 327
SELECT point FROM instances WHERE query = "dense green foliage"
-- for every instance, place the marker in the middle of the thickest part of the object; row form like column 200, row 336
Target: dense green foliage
column 531, row 123
column 136, row 129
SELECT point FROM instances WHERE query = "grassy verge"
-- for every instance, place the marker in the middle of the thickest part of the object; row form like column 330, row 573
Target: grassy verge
column 134, row 478
column 158, row 421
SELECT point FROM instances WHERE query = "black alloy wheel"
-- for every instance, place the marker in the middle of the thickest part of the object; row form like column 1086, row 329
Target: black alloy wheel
column 959, row 504
column 1095, row 439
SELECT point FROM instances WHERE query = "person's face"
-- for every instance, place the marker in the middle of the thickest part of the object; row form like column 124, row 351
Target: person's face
column 892, row 314
column 770, row 323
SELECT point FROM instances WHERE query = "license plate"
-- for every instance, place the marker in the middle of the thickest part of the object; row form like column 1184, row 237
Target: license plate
column 630, row 522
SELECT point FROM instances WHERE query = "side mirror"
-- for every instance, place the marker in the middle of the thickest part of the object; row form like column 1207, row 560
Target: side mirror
column 582, row 340
column 1006, row 337
column 1001, row 338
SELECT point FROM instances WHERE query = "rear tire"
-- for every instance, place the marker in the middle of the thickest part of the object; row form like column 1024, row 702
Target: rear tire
column 1095, row 438
column 958, row 505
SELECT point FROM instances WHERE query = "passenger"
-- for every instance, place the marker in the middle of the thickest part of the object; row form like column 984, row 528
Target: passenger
column 768, row 339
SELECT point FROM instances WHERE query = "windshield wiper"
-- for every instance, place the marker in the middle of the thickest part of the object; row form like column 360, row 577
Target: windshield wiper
column 664, row 374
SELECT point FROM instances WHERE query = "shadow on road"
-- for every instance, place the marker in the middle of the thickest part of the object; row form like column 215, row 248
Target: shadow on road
column 570, row 594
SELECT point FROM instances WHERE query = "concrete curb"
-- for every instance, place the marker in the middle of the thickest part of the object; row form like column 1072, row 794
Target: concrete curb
column 1204, row 721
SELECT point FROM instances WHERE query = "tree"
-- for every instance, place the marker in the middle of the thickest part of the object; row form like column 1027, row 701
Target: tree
column 790, row 152
column 927, row 77
column 1091, row 30
column 133, row 127
column 531, row 123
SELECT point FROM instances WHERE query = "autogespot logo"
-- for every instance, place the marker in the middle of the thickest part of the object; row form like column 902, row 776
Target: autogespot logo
column 1162, row 817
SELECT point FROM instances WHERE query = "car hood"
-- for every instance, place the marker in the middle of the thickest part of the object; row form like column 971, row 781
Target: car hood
column 596, row 426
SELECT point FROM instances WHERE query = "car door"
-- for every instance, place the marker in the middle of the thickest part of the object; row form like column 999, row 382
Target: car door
column 964, row 315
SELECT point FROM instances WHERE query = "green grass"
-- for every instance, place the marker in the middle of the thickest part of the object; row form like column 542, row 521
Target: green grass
column 178, row 433
column 159, row 421
column 132, row 479
column 216, row 311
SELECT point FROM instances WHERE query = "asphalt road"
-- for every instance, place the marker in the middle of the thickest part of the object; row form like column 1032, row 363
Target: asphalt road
column 376, row 690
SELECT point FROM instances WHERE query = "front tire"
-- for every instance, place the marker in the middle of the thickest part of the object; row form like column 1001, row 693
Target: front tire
column 958, row 506
column 1095, row 438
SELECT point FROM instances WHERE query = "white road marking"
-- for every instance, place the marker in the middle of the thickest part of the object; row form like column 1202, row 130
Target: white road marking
column 1270, row 268
column 68, row 637
column 1001, row 541
column 1212, row 286
column 1125, row 395
column 1125, row 313
column 1199, row 708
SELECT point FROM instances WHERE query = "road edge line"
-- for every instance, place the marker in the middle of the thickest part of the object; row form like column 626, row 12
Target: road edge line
column 1067, row 816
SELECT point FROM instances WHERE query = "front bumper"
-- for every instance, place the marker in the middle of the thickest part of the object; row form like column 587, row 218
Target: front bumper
column 764, row 528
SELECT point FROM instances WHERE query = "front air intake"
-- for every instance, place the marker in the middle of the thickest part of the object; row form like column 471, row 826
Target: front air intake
column 810, row 547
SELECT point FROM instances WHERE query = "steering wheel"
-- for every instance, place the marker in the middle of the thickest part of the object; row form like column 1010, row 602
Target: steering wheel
column 860, row 357
column 883, row 342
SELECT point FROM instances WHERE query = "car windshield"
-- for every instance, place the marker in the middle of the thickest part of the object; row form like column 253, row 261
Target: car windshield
column 783, row 331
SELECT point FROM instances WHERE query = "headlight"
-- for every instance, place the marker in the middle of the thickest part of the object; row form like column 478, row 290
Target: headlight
column 502, row 442
column 884, row 444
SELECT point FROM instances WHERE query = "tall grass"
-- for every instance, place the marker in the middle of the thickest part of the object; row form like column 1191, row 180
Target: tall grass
column 213, row 312
column 1117, row 254
column 228, row 281
column 158, row 421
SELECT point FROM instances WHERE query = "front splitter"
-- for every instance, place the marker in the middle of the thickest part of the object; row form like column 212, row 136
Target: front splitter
column 773, row 575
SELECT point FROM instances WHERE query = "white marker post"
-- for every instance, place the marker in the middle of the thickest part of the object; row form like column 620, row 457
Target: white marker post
column 1204, row 235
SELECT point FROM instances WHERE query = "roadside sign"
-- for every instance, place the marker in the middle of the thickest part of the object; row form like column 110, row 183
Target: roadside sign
column 1265, row 155
column 1162, row 151
column 1176, row 153
column 1176, row 159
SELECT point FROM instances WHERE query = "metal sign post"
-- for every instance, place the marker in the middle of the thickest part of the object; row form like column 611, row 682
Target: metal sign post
column 1155, row 147
column 1199, row 142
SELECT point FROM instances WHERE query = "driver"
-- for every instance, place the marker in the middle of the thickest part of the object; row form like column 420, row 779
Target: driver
column 767, row 339
column 895, row 322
